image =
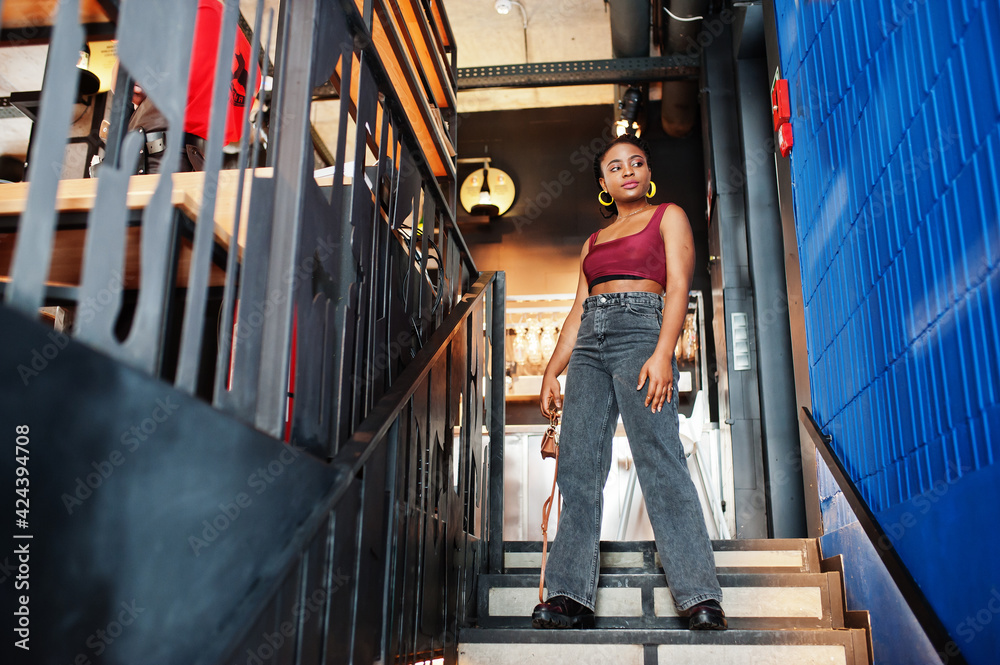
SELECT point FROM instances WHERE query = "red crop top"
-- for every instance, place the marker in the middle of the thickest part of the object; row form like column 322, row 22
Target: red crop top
column 637, row 256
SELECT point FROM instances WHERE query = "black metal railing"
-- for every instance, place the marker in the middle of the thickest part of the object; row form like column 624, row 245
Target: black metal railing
column 335, row 285
column 394, row 549
column 916, row 600
column 349, row 320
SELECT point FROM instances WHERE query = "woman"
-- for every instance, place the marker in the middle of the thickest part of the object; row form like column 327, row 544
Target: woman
column 618, row 341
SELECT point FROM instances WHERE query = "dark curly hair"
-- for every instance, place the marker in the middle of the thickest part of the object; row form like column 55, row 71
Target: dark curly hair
column 608, row 211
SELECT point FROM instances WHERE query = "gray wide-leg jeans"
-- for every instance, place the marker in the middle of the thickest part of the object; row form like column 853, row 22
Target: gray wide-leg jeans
column 618, row 333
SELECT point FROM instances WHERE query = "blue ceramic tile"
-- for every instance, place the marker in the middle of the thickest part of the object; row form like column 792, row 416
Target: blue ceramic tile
column 958, row 94
column 977, row 81
column 966, row 321
column 973, row 229
column 987, row 191
column 988, row 31
column 962, row 222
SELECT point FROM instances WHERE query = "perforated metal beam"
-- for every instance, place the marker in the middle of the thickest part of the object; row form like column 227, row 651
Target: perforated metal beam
column 543, row 74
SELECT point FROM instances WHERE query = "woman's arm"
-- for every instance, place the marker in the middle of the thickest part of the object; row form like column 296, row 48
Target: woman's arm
column 551, row 393
column 678, row 243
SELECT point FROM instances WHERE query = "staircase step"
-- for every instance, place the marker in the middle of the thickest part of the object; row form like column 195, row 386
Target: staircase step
column 767, row 601
column 674, row 647
column 775, row 555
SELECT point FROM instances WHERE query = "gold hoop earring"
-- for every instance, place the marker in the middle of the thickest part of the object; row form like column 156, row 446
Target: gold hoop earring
column 600, row 197
column 652, row 190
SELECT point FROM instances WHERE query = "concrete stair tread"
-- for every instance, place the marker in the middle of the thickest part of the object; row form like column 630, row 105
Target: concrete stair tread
column 642, row 579
column 638, row 647
column 776, row 555
column 783, row 608
column 771, row 601
column 667, row 636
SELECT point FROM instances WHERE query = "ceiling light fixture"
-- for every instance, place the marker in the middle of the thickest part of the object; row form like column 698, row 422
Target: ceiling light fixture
column 629, row 105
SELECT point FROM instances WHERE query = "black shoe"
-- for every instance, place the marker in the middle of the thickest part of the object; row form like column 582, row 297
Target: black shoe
column 562, row 612
column 707, row 616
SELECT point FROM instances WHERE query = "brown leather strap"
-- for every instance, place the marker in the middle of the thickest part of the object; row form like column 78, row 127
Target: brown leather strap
column 546, row 509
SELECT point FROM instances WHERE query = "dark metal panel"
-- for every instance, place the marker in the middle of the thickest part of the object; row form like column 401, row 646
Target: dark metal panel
column 767, row 274
column 155, row 502
column 796, row 312
column 590, row 72
column 731, row 284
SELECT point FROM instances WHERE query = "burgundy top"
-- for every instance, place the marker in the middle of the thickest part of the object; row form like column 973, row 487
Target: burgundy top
column 637, row 256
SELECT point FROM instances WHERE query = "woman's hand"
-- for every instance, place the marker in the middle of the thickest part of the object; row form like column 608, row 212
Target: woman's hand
column 661, row 381
column 550, row 397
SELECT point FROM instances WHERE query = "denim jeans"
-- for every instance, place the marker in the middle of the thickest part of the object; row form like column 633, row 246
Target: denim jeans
column 618, row 333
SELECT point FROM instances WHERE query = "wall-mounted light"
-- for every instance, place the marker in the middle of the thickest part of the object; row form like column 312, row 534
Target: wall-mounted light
column 503, row 8
column 487, row 191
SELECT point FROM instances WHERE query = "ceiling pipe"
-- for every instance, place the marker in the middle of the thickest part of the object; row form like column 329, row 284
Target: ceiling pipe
column 679, row 106
column 629, row 36
column 629, row 28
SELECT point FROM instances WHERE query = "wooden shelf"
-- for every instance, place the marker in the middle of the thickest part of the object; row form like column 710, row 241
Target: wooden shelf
column 407, row 48
column 19, row 14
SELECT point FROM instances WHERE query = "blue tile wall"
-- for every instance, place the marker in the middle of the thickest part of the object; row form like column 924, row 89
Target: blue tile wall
column 896, row 188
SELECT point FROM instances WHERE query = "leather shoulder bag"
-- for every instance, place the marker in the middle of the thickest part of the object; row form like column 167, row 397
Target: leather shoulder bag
column 550, row 448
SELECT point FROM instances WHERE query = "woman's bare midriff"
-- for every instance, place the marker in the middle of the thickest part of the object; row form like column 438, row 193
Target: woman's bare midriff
column 622, row 285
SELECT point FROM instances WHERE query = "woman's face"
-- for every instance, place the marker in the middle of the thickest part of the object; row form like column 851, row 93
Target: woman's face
column 626, row 172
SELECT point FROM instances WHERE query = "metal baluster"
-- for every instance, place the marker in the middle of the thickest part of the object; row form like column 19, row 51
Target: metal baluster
column 292, row 168
column 33, row 248
column 102, row 276
column 224, row 359
column 497, row 419
column 192, row 334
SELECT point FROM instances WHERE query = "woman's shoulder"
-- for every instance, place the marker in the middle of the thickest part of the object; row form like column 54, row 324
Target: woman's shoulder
column 670, row 213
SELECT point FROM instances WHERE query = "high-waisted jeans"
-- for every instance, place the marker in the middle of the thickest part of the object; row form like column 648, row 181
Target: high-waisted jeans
column 618, row 333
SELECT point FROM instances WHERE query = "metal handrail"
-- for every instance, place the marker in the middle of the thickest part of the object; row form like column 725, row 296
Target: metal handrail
column 372, row 431
column 378, row 435
column 922, row 610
